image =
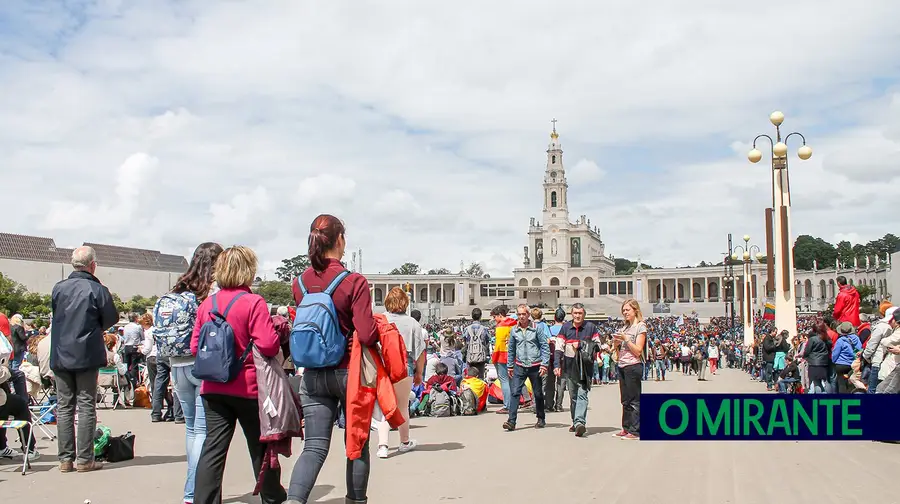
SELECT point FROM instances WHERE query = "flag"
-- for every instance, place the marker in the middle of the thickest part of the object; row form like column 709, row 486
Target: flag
column 769, row 313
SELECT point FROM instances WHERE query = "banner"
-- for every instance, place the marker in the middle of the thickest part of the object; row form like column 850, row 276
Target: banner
column 769, row 417
column 769, row 313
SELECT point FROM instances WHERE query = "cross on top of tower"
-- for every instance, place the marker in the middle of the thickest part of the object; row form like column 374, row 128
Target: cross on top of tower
column 554, row 134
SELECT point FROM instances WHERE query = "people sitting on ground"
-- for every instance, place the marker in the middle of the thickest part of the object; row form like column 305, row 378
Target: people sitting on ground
column 789, row 375
column 441, row 393
column 477, row 386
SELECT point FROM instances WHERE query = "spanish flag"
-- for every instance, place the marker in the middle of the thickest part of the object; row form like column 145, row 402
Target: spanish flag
column 769, row 313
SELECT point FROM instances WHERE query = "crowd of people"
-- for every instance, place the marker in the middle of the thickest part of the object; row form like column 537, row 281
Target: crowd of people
column 212, row 354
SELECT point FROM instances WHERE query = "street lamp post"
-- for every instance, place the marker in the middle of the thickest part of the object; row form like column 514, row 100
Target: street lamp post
column 747, row 302
column 780, row 258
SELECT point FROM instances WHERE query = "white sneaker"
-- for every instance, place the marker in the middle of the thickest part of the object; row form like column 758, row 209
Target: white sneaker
column 409, row 446
column 382, row 452
column 9, row 453
column 33, row 455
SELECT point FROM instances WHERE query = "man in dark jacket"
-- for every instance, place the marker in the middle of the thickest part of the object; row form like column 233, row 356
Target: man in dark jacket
column 82, row 310
column 768, row 355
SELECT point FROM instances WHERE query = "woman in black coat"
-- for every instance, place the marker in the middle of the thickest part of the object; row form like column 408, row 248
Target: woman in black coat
column 818, row 357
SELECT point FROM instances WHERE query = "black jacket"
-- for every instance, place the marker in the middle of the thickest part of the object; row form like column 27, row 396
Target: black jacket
column 768, row 347
column 816, row 352
column 82, row 309
column 19, row 341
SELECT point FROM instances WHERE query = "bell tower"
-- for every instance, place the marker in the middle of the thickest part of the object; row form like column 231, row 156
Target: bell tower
column 556, row 207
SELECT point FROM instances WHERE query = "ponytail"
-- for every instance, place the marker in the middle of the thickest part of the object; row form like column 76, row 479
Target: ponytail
column 323, row 235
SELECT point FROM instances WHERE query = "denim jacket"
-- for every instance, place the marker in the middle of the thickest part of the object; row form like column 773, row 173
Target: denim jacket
column 530, row 346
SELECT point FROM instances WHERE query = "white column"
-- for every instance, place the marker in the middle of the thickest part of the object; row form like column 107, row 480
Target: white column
column 785, row 303
column 748, row 305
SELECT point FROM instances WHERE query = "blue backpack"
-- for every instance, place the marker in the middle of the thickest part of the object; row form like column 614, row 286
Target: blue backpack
column 216, row 361
column 173, row 324
column 316, row 338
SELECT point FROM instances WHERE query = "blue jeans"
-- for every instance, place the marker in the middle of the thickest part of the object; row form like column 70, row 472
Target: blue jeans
column 604, row 374
column 323, row 393
column 783, row 384
column 873, row 378
column 161, row 391
column 187, row 388
column 661, row 369
column 770, row 375
column 520, row 374
column 578, row 405
column 503, row 376
column 646, row 371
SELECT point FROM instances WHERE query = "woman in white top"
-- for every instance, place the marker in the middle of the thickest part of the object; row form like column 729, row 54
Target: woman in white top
column 632, row 342
column 396, row 303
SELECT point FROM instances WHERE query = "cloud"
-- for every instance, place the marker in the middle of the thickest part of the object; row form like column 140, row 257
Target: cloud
column 256, row 116
column 585, row 171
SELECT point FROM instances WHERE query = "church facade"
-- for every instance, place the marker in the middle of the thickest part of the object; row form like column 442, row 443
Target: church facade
column 565, row 262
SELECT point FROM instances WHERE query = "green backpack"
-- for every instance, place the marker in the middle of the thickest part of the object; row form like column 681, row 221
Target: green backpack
column 101, row 440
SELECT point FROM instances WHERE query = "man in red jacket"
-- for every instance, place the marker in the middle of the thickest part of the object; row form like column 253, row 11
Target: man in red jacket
column 846, row 306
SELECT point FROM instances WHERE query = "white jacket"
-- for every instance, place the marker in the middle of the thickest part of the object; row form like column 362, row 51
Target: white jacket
column 874, row 352
column 890, row 362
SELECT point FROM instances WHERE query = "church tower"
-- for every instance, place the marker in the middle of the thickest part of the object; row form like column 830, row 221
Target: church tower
column 556, row 208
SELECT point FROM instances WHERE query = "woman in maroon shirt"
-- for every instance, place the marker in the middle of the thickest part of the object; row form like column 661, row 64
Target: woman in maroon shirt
column 237, row 400
column 323, row 391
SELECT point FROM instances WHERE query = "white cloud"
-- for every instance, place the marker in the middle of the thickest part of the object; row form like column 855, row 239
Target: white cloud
column 430, row 144
column 585, row 170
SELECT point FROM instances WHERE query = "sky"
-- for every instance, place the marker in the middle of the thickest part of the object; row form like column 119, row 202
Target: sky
column 424, row 126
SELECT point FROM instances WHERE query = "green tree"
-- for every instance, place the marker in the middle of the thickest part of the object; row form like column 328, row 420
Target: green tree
column 14, row 298
column 808, row 249
column 627, row 267
column 439, row 271
column 276, row 292
column 292, row 267
column 475, row 269
column 406, row 269
column 845, row 253
column 120, row 305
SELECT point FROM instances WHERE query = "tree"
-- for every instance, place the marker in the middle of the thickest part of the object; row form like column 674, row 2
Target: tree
column 291, row 268
column 15, row 298
column 117, row 301
column 845, row 253
column 406, row 269
column 475, row 269
column 627, row 267
column 808, row 249
column 276, row 292
column 439, row 271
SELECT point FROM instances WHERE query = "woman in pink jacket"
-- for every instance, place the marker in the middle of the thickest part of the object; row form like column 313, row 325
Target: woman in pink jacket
column 236, row 400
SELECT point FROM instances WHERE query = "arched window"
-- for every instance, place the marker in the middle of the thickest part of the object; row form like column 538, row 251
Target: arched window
column 553, row 199
column 553, row 160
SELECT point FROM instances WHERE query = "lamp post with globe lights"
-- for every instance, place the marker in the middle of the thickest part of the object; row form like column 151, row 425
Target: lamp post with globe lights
column 745, row 253
column 780, row 262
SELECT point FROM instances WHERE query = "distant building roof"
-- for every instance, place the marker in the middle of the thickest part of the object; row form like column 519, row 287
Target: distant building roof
column 32, row 248
column 35, row 248
column 134, row 258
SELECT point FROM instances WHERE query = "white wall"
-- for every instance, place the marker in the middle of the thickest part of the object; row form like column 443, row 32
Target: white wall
column 42, row 276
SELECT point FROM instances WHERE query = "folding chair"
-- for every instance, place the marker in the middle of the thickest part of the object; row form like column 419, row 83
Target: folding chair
column 118, row 395
column 18, row 425
column 40, row 411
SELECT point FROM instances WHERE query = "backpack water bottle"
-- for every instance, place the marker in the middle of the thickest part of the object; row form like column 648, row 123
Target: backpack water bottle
column 216, row 360
column 316, row 338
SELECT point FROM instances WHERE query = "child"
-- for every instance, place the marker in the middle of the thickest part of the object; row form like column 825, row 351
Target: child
column 440, row 380
column 790, row 374
column 476, row 385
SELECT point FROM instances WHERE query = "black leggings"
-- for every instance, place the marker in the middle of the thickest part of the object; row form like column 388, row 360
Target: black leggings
column 843, row 383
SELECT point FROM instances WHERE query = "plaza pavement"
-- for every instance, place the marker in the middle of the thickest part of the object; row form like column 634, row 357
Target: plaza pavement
column 468, row 460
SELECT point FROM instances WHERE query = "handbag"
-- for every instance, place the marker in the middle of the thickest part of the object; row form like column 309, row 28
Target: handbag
column 120, row 448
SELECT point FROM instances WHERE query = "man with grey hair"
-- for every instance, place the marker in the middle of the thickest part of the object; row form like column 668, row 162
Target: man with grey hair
column 82, row 310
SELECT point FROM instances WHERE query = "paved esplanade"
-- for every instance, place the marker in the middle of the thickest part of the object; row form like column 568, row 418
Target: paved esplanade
column 473, row 460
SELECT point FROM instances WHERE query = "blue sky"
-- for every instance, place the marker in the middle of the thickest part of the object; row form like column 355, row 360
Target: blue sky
column 162, row 125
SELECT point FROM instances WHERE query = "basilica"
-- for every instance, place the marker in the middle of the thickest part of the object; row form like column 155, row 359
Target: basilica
column 565, row 262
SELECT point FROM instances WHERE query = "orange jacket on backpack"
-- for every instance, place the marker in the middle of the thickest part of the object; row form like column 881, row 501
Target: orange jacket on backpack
column 393, row 349
column 367, row 382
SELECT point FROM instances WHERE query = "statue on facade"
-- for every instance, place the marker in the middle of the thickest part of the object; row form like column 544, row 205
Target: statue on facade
column 527, row 259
